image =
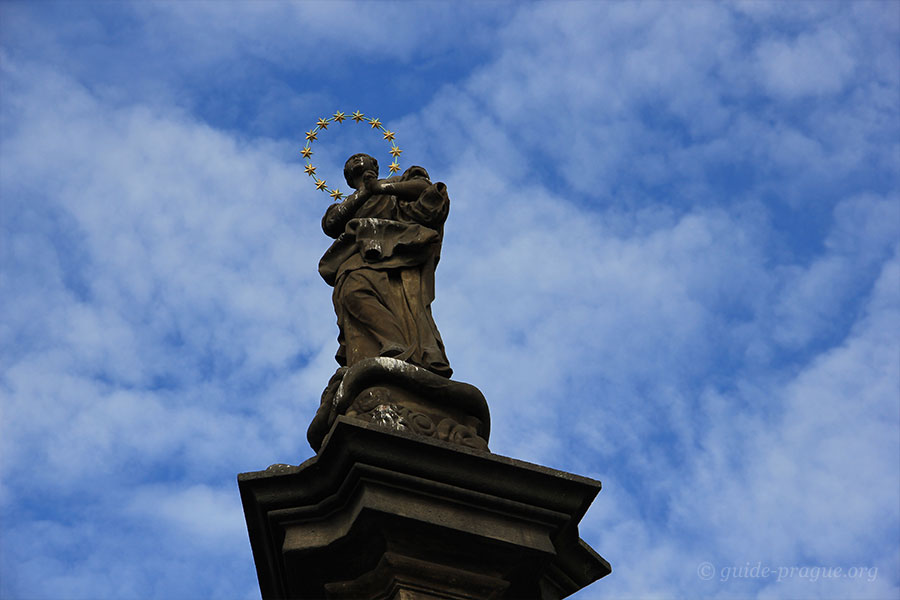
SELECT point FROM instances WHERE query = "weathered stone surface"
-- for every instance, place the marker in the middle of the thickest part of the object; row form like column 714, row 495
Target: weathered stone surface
column 401, row 396
column 382, row 513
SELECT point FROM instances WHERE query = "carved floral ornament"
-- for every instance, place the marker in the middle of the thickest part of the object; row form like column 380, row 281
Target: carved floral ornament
column 339, row 117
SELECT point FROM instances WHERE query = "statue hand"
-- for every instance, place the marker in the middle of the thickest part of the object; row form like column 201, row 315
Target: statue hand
column 377, row 186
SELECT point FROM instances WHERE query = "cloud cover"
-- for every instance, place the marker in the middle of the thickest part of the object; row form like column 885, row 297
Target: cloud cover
column 674, row 232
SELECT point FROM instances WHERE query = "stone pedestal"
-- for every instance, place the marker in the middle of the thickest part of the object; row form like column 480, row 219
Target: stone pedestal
column 379, row 514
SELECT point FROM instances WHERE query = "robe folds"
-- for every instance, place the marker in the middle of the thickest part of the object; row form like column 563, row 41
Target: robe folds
column 382, row 269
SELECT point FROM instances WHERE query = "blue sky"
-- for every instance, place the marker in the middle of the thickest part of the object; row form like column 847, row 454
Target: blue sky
column 672, row 263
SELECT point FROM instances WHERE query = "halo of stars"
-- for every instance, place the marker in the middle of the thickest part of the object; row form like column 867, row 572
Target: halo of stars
column 339, row 117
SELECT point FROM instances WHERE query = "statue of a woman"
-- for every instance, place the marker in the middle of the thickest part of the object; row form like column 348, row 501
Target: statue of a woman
column 387, row 244
column 394, row 370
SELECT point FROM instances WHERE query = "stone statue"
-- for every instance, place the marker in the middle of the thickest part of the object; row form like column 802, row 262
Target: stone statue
column 387, row 244
column 393, row 367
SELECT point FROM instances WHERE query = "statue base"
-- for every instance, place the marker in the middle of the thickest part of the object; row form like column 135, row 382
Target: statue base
column 404, row 397
column 385, row 514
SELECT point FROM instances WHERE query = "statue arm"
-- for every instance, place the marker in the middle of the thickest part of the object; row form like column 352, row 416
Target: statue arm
column 418, row 199
column 407, row 191
column 431, row 207
column 337, row 215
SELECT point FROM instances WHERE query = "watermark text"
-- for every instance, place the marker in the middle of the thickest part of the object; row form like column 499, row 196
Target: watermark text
column 708, row 571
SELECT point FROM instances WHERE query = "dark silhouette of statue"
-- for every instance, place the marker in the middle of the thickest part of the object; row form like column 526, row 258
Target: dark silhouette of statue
column 387, row 244
column 393, row 367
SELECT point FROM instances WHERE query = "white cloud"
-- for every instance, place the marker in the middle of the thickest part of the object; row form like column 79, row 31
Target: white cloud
column 212, row 517
column 810, row 484
column 166, row 219
column 865, row 229
column 811, row 64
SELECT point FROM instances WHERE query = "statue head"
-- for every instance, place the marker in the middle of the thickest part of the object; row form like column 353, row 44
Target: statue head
column 356, row 165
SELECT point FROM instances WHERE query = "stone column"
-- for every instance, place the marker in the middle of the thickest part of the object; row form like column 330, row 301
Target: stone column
column 384, row 514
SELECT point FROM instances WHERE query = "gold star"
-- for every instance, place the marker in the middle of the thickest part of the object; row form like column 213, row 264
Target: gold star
column 320, row 184
column 357, row 116
column 375, row 123
column 395, row 151
column 336, row 194
column 310, row 170
column 306, row 152
column 339, row 117
column 389, row 135
column 394, row 167
column 322, row 123
column 310, row 135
